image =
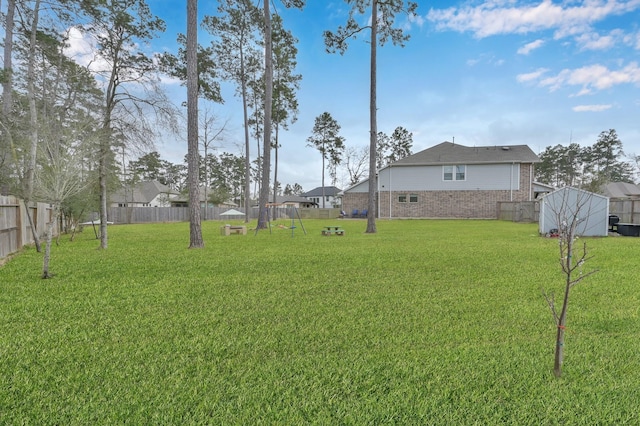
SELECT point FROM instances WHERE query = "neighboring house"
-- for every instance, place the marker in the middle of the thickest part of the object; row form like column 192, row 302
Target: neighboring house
column 621, row 190
column 182, row 200
column 143, row 194
column 450, row 181
column 540, row 189
column 567, row 205
column 331, row 198
column 289, row 200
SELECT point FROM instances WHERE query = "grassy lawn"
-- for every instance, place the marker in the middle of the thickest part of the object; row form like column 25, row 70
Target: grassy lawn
column 425, row 322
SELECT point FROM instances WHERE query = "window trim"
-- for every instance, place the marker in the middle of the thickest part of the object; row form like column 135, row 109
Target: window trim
column 454, row 172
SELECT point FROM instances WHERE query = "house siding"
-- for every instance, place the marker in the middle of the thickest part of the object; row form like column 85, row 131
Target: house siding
column 481, row 203
column 492, row 177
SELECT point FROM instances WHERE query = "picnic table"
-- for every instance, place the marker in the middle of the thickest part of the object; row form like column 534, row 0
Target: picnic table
column 229, row 229
column 332, row 230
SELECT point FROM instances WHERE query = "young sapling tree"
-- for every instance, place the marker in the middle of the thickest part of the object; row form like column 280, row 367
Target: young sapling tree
column 571, row 213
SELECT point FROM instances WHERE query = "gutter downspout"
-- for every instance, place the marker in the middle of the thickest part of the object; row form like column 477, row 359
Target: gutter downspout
column 511, row 183
column 378, row 193
column 390, row 193
column 530, row 181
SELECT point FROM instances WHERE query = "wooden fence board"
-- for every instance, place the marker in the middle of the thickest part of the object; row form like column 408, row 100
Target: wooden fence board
column 15, row 230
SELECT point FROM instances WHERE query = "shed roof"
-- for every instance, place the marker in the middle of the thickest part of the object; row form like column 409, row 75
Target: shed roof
column 451, row 153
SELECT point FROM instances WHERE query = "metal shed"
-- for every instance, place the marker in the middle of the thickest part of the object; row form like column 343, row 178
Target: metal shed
column 563, row 205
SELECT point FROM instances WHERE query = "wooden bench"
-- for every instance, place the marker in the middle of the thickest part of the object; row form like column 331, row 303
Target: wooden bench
column 228, row 230
column 332, row 230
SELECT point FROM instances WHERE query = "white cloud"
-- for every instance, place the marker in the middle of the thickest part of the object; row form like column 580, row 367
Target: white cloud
column 80, row 47
column 591, row 108
column 633, row 40
column 595, row 41
column 527, row 48
column 523, row 78
column 589, row 78
column 492, row 18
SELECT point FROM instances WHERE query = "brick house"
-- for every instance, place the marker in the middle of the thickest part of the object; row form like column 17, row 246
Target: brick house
column 450, row 181
column 331, row 198
column 143, row 194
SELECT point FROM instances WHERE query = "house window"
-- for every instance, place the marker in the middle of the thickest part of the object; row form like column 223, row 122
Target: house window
column 402, row 198
column 454, row 172
column 413, row 198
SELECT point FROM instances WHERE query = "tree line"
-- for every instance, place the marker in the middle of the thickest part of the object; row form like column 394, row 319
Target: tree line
column 588, row 167
column 223, row 174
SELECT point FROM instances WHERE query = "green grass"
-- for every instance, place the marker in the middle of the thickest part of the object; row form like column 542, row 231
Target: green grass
column 425, row 322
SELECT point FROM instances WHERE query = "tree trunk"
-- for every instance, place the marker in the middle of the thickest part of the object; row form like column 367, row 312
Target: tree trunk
column 195, row 235
column 34, row 231
column 373, row 178
column 268, row 98
column 247, row 144
column 33, row 119
column 275, row 173
column 49, row 238
column 562, row 320
column 102, row 181
column 7, row 84
column 323, row 167
column 559, row 356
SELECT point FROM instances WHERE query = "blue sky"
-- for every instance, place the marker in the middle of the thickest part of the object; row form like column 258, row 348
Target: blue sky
column 500, row 72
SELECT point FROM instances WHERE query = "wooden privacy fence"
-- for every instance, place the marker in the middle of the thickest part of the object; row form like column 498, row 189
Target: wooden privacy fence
column 627, row 210
column 181, row 214
column 529, row 211
column 519, row 211
column 15, row 230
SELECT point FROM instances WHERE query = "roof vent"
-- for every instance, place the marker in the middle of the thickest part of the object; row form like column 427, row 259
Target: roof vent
column 505, row 148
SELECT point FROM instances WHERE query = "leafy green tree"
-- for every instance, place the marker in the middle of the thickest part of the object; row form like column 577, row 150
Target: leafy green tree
column 295, row 189
column 326, row 139
column 218, row 196
column 561, row 165
column 383, row 13
column 193, row 154
column 268, row 105
column 235, row 48
column 148, row 167
column 286, row 83
column 121, row 28
column 7, row 163
column 589, row 167
column 604, row 160
column 393, row 148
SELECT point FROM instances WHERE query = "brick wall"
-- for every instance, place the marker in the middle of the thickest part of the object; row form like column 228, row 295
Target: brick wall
column 470, row 204
column 356, row 200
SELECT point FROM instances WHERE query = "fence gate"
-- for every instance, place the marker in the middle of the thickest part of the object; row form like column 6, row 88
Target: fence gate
column 526, row 212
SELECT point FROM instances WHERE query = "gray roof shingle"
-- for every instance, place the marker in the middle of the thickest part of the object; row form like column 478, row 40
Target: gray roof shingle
column 328, row 191
column 142, row 192
column 621, row 190
column 450, row 153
